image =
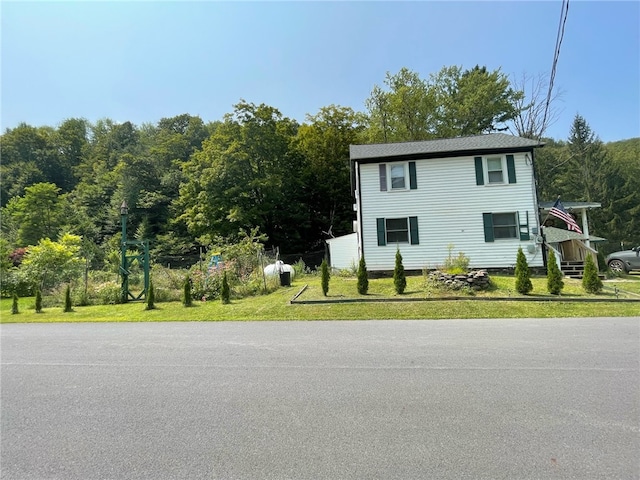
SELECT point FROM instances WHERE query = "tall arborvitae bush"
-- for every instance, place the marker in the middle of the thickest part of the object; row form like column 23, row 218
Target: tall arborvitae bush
column 363, row 278
column 14, row 305
column 225, row 293
column 590, row 280
column 399, row 277
column 554, row 275
column 68, row 307
column 523, row 276
column 38, row 301
column 187, row 299
column 151, row 297
column 325, row 276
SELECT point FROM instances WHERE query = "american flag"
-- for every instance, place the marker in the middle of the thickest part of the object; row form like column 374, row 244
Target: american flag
column 558, row 211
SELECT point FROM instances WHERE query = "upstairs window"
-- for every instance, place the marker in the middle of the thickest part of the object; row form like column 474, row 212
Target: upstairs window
column 398, row 176
column 494, row 170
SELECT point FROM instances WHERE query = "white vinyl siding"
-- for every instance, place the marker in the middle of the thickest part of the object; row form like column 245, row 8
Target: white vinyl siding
column 449, row 206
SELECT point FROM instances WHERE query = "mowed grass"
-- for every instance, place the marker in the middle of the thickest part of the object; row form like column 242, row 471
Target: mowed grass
column 276, row 306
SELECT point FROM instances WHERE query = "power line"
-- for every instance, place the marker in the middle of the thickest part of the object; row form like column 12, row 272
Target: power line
column 564, row 10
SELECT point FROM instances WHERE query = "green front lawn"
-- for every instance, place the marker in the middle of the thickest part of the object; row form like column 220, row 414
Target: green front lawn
column 276, row 306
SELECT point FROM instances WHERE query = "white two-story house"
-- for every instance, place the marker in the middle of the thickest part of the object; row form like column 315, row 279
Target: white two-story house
column 430, row 199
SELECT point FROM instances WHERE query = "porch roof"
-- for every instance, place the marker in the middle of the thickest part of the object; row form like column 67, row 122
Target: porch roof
column 570, row 205
column 557, row 235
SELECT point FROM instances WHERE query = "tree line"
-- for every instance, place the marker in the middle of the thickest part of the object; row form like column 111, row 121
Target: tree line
column 190, row 184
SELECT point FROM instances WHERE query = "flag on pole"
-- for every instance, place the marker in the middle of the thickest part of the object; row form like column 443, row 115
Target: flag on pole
column 559, row 211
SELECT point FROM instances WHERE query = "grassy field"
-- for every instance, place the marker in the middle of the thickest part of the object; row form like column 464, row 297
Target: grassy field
column 276, row 306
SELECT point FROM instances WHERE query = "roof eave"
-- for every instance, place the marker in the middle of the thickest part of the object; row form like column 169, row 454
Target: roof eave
column 447, row 154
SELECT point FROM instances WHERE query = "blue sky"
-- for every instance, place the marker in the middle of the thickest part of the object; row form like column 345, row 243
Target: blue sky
column 142, row 60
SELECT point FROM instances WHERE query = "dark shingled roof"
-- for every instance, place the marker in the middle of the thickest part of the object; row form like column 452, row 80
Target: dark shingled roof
column 430, row 148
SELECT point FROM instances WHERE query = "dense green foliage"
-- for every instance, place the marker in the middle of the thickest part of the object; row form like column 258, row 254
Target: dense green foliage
column 591, row 282
column 363, row 277
column 324, row 276
column 192, row 186
column 554, row 275
column 399, row 277
column 522, row 273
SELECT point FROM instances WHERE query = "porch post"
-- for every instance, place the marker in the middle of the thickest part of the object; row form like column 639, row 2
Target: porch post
column 585, row 227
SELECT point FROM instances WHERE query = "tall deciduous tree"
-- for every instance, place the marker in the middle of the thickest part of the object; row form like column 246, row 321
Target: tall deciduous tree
column 39, row 213
column 324, row 144
column 247, row 175
column 451, row 103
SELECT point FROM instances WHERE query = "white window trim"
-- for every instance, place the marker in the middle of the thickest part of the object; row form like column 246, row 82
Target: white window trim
column 405, row 168
column 503, row 163
column 516, row 225
column 386, row 231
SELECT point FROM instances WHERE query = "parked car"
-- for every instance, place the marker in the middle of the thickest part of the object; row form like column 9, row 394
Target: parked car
column 624, row 261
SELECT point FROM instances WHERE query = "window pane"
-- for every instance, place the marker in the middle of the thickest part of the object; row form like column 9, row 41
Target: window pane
column 494, row 170
column 397, row 230
column 396, row 224
column 397, row 237
column 397, row 176
column 504, row 225
column 496, row 177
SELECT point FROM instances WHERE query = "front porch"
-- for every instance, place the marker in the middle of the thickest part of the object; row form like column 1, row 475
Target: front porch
column 571, row 249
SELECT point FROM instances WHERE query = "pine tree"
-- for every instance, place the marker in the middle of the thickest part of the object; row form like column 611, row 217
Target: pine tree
column 554, row 275
column 363, row 280
column 68, row 307
column 523, row 280
column 14, row 305
column 151, row 297
column 324, row 271
column 38, row 301
column 399, row 278
column 187, row 300
column 225, row 294
column 590, row 280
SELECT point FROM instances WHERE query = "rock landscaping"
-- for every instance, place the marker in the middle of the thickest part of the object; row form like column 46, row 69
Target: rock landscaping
column 476, row 280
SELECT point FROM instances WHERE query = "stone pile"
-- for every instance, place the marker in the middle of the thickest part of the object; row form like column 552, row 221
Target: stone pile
column 476, row 280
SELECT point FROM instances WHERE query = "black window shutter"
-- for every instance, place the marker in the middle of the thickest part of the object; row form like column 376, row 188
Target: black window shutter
column 383, row 177
column 479, row 174
column 413, row 230
column 511, row 169
column 524, row 229
column 487, row 219
column 382, row 233
column 413, row 180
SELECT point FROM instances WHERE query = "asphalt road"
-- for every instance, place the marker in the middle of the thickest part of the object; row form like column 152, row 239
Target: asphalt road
column 453, row 399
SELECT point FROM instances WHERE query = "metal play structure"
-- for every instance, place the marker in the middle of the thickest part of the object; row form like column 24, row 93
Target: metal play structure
column 141, row 255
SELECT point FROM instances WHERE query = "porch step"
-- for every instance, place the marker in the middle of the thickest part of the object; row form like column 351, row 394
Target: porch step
column 575, row 269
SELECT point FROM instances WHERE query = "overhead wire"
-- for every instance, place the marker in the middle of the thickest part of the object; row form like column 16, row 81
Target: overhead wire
column 556, row 54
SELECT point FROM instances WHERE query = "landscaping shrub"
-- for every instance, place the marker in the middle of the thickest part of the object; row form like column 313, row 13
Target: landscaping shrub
column 14, row 305
column 590, row 280
column 187, row 299
column 68, row 306
column 399, row 277
column 456, row 265
column 109, row 293
column 151, row 297
column 38, row 301
column 523, row 276
column 324, row 271
column 554, row 275
column 363, row 278
column 225, row 292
